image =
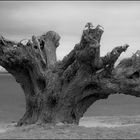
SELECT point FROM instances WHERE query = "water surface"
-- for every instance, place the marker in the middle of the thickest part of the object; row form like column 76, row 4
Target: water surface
column 12, row 102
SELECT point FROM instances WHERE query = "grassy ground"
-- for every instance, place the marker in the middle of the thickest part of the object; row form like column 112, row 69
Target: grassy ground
column 124, row 127
column 122, row 119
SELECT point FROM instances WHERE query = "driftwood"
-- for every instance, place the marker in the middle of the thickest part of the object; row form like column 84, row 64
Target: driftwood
column 61, row 91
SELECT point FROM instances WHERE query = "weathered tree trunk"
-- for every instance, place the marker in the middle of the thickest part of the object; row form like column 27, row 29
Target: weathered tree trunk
column 61, row 91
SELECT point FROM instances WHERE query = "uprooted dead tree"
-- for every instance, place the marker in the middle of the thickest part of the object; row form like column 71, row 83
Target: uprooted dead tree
column 61, row 91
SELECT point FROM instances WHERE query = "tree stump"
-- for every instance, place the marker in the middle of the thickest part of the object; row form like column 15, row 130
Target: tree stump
column 61, row 91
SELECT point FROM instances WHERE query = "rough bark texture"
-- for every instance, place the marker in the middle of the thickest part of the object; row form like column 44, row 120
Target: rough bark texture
column 61, row 91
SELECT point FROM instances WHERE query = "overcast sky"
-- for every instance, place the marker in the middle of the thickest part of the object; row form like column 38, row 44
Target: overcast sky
column 120, row 19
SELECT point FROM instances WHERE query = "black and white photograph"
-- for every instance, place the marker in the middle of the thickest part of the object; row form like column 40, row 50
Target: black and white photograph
column 69, row 69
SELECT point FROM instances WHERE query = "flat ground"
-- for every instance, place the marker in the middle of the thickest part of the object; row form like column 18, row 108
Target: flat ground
column 122, row 121
column 114, row 127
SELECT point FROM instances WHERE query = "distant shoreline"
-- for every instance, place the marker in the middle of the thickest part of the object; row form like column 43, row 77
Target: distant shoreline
column 4, row 73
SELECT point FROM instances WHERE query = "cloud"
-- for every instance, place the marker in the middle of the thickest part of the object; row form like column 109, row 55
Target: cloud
column 120, row 20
